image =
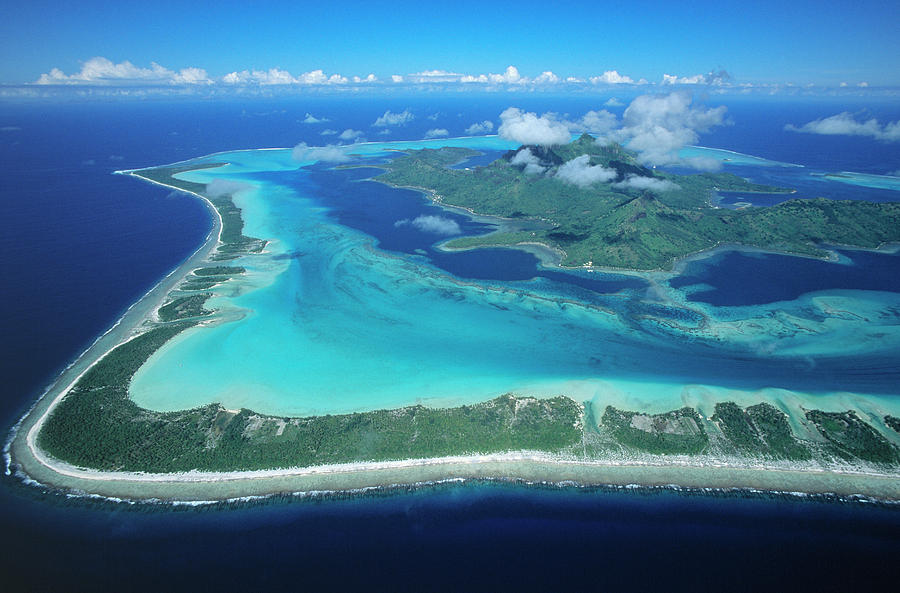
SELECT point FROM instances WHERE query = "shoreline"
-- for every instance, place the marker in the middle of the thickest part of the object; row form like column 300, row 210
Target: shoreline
column 187, row 487
column 699, row 472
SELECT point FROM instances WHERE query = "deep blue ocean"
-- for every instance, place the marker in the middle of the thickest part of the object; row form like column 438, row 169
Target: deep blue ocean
column 79, row 245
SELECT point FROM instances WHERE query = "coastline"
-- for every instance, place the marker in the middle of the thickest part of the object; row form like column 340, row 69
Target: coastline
column 124, row 329
column 700, row 473
column 528, row 467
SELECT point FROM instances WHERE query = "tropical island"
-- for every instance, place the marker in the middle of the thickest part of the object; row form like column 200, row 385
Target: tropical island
column 91, row 436
column 612, row 212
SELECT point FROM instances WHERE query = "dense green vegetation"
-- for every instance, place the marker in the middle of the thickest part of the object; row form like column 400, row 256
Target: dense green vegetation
column 184, row 307
column 234, row 242
column 849, row 436
column 97, row 426
column 775, row 430
column 614, row 226
column 759, row 430
column 676, row 432
column 219, row 271
column 893, row 422
column 206, row 278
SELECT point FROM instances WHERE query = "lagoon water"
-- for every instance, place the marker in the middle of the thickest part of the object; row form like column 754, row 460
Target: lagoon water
column 353, row 308
column 80, row 245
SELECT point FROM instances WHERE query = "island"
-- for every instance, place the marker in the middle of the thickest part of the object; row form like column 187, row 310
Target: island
column 639, row 218
column 88, row 435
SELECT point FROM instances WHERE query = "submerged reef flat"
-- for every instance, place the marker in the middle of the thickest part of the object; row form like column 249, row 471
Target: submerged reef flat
column 311, row 360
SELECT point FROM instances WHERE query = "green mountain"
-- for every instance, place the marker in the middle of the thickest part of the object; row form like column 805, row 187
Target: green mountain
column 640, row 218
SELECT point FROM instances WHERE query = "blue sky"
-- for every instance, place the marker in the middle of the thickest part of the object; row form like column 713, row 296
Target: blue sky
column 799, row 42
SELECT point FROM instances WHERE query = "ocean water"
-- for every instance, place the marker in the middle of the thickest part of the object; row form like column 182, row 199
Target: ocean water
column 80, row 245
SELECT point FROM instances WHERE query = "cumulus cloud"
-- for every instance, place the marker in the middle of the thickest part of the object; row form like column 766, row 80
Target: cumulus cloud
column 580, row 172
column 328, row 132
column 277, row 76
column 219, row 188
column 527, row 128
column 646, row 183
column 100, row 71
column 367, row 79
column 325, row 154
column 530, row 163
column 394, row 119
column 613, row 77
column 613, row 102
column 396, row 78
column 598, row 122
column 480, row 128
column 714, row 78
column 844, row 124
column 312, row 119
column 350, row 135
column 432, row 224
column 546, row 78
column 510, row 76
column 672, row 79
column 657, row 126
column 436, row 133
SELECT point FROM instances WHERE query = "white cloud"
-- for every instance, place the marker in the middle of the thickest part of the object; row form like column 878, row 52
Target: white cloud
column 844, row 124
column 510, row 76
column 191, row 76
column 224, row 187
column 277, row 76
column 396, row 78
column 436, row 133
column 328, row 132
column 646, row 183
column 546, row 78
column 579, row 172
column 394, row 119
column 714, row 78
column 613, row 102
column 703, row 163
column 432, row 224
column 312, row 119
column 469, row 78
column 611, row 77
column 598, row 122
column 672, row 79
column 350, row 135
column 367, row 79
column 528, row 128
column 325, row 154
column 531, row 164
column 433, row 76
column 100, row 71
column 657, row 126
column 480, row 128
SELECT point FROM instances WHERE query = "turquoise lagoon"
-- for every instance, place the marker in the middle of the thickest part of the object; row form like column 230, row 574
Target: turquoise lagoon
column 326, row 322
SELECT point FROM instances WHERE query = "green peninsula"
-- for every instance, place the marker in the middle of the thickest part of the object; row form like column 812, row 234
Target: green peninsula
column 640, row 218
